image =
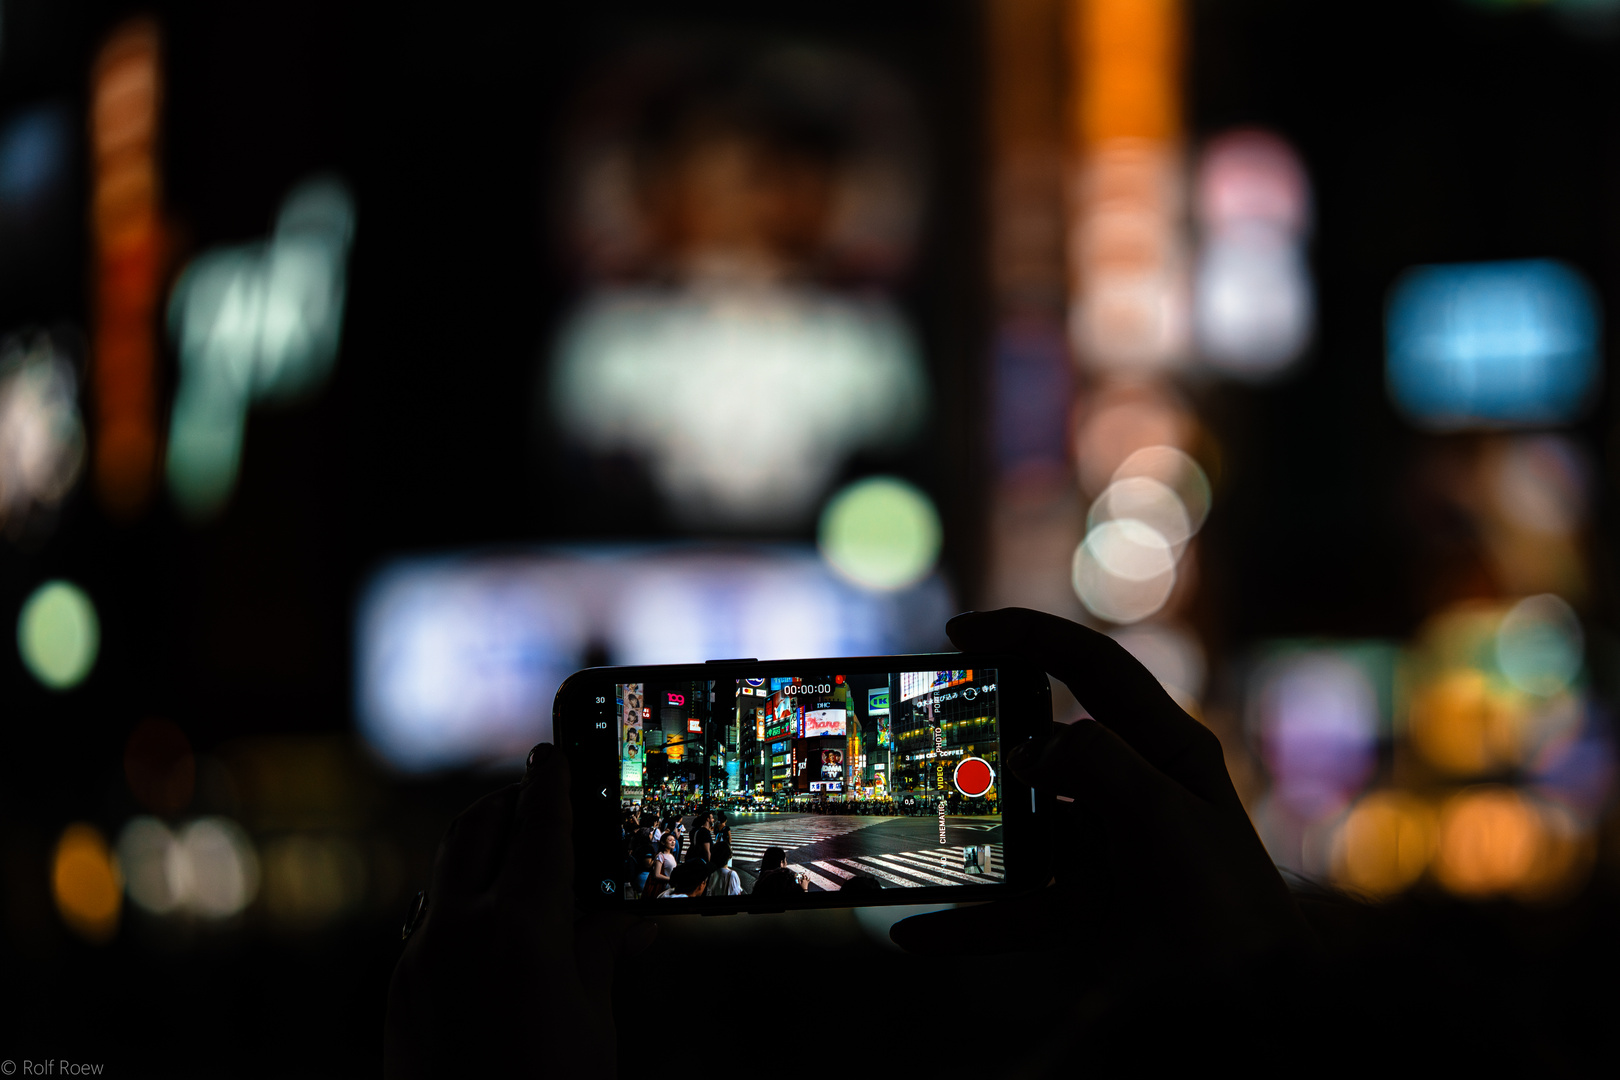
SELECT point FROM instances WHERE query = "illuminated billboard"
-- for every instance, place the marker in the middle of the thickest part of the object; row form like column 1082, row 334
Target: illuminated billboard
column 823, row 722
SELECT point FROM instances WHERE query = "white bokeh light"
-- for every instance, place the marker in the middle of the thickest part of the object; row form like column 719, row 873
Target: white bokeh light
column 1124, row 571
column 742, row 402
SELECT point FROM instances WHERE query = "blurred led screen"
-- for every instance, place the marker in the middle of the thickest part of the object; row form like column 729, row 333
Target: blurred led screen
column 458, row 658
column 1498, row 344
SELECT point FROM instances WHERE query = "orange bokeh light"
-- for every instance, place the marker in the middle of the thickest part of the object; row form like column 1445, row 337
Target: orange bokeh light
column 85, row 883
column 127, row 236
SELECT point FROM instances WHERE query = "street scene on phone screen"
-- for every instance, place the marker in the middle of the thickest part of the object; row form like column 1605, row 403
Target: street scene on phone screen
column 792, row 784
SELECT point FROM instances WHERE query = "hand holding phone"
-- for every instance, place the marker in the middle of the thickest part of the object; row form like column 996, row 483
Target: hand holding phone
column 1159, row 852
column 497, row 949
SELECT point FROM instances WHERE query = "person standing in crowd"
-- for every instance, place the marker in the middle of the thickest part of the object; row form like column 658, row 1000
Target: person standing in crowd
column 663, row 867
column 722, row 829
column 723, row 880
column 702, row 838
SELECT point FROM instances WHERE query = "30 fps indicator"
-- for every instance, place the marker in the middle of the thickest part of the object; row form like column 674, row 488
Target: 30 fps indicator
column 974, row 776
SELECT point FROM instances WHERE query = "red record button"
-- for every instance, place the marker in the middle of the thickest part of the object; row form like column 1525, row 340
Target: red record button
column 974, row 777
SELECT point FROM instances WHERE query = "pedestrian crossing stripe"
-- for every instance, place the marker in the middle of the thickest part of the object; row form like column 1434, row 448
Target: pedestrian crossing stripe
column 839, row 870
column 957, row 876
column 904, row 869
column 749, row 842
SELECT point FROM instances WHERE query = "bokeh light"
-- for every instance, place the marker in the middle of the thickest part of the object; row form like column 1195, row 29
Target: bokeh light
column 1539, row 482
column 1539, row 645
column 457, row 659
column 1317, row 722
column 1145, row 500
column 1121, row 420
column 1576, row 767
column 214, row 869
column 1493, row 344
column 880, row 533
column 86, row 884
column 209, row 868
column 147, row 854
column 254, row 323
column 1488, row 841
column 58, row 634
column 1124, row 571
column 1385, row 843
column 1127, row 307
column 1460, row 723
column 41, row 434
column 1253, row 302
column 1139, row 526
column 35, row 149
column 709, row 360
column 1176, row 470
column 128, row 232
column 1492, row 684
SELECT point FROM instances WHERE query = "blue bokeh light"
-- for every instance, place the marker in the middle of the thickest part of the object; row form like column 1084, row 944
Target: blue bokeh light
column 34, row 151
column 1492, row 345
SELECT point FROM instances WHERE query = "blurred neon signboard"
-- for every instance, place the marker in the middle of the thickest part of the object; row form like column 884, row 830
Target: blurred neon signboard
column 1491, row 345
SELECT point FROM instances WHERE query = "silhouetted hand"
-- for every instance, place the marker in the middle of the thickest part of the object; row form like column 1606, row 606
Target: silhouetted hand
column 1155, row 860
column 499, row 978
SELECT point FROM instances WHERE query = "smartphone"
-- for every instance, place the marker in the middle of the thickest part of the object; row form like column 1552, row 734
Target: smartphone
column 844, row 782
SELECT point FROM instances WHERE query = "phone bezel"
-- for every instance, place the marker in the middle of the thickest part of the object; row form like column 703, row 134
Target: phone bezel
column 1024, row 713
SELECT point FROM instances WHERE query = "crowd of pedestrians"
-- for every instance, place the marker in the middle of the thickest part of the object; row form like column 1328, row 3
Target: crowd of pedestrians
column 669, row 857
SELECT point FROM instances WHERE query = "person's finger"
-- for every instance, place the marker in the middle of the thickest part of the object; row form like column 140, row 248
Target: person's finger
column 1113, row 686
column 540, row 865
column 471, row 854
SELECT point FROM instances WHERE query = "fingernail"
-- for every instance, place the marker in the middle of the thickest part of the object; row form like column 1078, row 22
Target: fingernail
column 537, row 758
column 413, row 916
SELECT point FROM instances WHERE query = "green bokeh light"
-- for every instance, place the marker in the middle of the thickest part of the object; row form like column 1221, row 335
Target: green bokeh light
column 881, row 533
column 58, row 634
column 1539, row 645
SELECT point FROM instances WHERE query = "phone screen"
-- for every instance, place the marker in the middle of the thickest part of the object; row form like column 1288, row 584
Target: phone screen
column 805, row 782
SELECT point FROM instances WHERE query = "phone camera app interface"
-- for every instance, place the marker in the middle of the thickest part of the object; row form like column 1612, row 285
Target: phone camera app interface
column 785, row 785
